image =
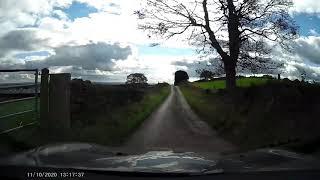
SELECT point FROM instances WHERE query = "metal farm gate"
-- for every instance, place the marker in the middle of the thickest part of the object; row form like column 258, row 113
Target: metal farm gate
column 12, row 95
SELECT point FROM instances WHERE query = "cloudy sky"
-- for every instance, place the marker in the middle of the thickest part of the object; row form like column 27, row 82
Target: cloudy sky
column 98, row 40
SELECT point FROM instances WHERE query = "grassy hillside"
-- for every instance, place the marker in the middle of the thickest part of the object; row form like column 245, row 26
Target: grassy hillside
column 241, row 82
column 272, row 114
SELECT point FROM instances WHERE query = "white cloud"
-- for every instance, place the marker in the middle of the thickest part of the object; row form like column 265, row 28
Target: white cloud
column 308, row 48
column 107, row 27
column 52, row 24
column 306, row 6
column 26, row 12
column 16, row 77
column 304, row 59
column 314, row 32
column 20, row 40
column 100, row 56
column 158, row 68
column 295, row 70
column 60, row 14
column 114, row 22
column 73, row 41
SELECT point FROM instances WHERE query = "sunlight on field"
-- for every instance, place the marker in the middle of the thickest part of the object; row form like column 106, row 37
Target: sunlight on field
column 220, row 84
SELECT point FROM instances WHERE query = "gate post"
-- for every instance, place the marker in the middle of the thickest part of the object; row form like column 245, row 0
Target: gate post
column 36, row 93
column 59, row 100
column 44, row 98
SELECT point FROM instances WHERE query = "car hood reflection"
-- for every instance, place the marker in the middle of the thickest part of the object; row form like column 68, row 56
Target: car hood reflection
column 96, row 157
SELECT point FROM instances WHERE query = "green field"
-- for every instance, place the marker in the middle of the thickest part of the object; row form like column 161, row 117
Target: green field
column 220, row 84
column 15, row 107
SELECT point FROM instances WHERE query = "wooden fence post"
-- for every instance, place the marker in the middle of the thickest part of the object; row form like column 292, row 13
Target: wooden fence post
column 59, row 100
column 44, row 98
column 36, row 93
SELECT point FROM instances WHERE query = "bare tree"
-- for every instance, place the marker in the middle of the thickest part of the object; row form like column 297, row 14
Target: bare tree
column 237, row 30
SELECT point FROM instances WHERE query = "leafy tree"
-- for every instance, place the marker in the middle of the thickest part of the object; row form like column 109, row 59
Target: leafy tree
column 241, row 32
column 180, row 76
column 205, row 74
column 136, row 78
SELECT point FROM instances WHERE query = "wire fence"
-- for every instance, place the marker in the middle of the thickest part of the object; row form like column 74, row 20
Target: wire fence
column 10, row 113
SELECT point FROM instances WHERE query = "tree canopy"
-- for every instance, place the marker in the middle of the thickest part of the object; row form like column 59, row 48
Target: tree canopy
column 205, row 74
column 136, row 78
column 180, row 76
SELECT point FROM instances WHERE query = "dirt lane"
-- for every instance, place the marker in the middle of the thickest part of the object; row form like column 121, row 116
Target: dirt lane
column 174, row 126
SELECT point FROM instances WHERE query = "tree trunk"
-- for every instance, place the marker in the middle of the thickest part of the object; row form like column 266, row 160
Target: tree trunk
column 230, row 70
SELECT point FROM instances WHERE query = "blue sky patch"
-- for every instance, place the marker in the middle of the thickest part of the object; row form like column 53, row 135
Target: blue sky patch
column 158, row 50
column 307, row 23
column 27, row 54
column 78, row 10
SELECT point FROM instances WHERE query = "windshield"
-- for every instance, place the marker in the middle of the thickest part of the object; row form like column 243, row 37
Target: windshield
column 119, row 78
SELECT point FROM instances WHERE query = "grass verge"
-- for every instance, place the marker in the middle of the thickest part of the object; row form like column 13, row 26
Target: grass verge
column 270, row 115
